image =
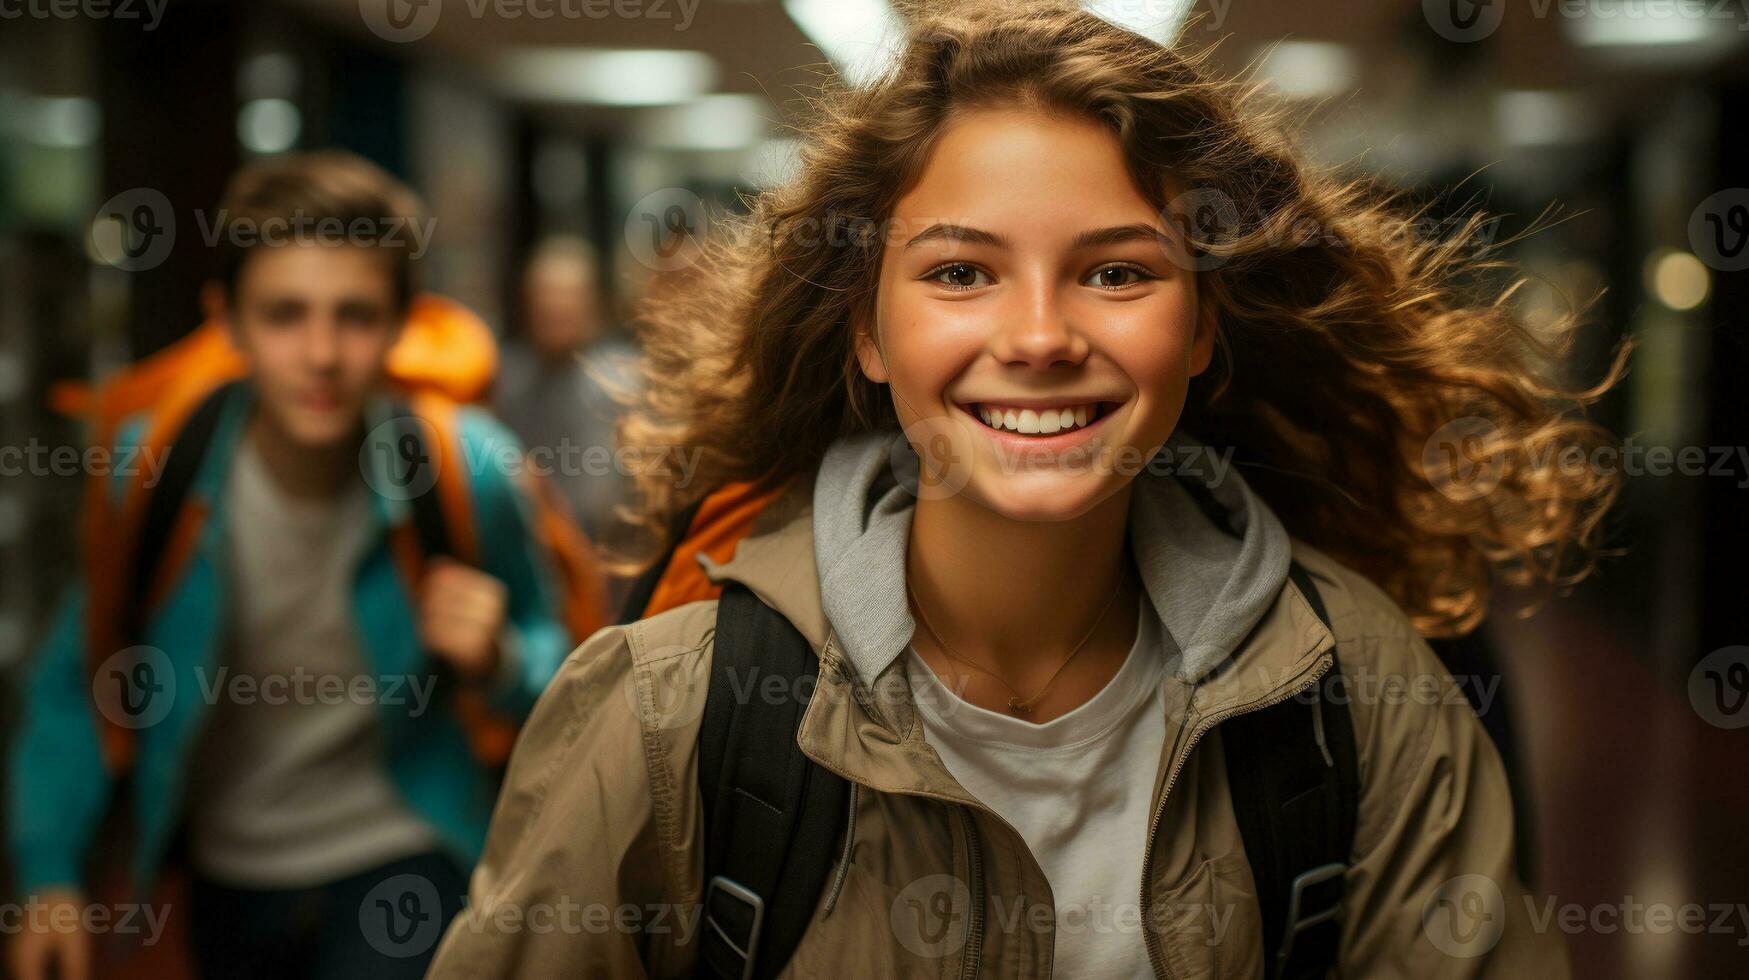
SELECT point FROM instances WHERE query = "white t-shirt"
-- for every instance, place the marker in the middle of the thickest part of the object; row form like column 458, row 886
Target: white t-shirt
column 1078, row 789
column 289, row 788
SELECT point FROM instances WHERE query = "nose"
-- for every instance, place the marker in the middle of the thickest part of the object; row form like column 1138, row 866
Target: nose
column 322, row 347
column 1035, row 331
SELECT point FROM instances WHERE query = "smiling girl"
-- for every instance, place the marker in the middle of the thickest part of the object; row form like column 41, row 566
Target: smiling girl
column 1061, row 484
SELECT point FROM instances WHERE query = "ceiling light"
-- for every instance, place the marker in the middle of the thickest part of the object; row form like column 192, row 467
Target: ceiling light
column 269, row 125
column 1542, row 118
column 860, row 37
column 714, row 122
column 1640, row 26
column 1157, row 19
column 602, row 76
column 1309, row 69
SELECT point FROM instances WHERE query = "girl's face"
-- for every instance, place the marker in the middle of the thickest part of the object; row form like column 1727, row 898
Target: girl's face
column 1034, row 328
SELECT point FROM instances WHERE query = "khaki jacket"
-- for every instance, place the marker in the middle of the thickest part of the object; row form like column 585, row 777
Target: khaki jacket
column 594, row 863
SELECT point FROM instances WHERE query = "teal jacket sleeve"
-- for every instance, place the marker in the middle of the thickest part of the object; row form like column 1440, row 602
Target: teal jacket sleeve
column 57, row 784
column 535, row 640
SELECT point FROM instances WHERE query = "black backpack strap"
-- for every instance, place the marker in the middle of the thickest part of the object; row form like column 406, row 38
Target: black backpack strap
column 1295, row 784
column 164, row 503
column 771, row 815
column 430, row 526
column 643, row 588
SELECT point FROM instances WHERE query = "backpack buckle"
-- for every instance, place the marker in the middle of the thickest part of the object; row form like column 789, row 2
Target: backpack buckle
column 1308, row 909
column 736, row 890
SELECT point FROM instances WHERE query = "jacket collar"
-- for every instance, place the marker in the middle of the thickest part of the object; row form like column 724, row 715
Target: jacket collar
column 870, row 732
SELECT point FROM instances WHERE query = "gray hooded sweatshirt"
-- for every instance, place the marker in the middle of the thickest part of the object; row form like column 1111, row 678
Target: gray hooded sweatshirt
column 1208, row 586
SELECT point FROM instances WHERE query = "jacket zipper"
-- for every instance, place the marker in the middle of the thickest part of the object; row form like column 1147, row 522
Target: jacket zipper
column 974, row 946
column 974, row 847
column 975, row 928
column 1150, row 937
column 844, row 858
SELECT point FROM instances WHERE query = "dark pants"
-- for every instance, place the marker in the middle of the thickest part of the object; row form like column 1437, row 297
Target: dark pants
column 381, row 924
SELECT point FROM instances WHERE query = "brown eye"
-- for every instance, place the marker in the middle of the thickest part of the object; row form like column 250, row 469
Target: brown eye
column 1116, row 276
column 959, row 275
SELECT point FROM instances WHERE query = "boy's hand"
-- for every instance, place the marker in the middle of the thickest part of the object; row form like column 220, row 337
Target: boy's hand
column 43, row 951
column 461, row 610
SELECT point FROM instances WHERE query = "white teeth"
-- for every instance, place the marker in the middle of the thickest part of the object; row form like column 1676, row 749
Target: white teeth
column 1041, row 421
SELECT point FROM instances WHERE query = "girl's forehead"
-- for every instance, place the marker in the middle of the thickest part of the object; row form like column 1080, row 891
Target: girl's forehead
column 1024, row 170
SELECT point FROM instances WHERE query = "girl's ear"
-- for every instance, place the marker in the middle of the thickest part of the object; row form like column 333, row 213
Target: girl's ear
column 1202, row 348
column 868, row 351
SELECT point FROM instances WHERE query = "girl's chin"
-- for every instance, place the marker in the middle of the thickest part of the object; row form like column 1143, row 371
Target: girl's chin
column 1042, row 497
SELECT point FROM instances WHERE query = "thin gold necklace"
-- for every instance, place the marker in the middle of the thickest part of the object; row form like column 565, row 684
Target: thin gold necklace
column 1016, row 703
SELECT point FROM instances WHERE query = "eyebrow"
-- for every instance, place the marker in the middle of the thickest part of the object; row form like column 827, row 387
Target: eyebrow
column 1117, row 234
column 1120, row 234
column 958, row 233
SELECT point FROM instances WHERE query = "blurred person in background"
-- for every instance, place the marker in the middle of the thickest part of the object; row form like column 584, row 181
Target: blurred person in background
column 284, row 579
column 557, row 377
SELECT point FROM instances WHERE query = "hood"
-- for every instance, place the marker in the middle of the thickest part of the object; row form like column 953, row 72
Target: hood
column 1211, row 555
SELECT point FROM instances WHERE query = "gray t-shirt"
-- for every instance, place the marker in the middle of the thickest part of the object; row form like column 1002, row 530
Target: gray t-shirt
column 289, row 787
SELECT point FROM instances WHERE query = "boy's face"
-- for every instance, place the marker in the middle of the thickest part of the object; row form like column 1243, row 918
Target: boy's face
column 315, row 323
column 1035, row 331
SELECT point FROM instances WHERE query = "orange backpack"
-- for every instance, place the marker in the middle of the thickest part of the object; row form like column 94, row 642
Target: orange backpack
column 712, row 526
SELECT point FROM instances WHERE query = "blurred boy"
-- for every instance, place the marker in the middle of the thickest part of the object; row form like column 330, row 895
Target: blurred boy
column 296, row 800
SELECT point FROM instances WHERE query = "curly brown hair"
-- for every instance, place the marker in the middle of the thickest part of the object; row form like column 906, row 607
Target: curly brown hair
column 1352, row 347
